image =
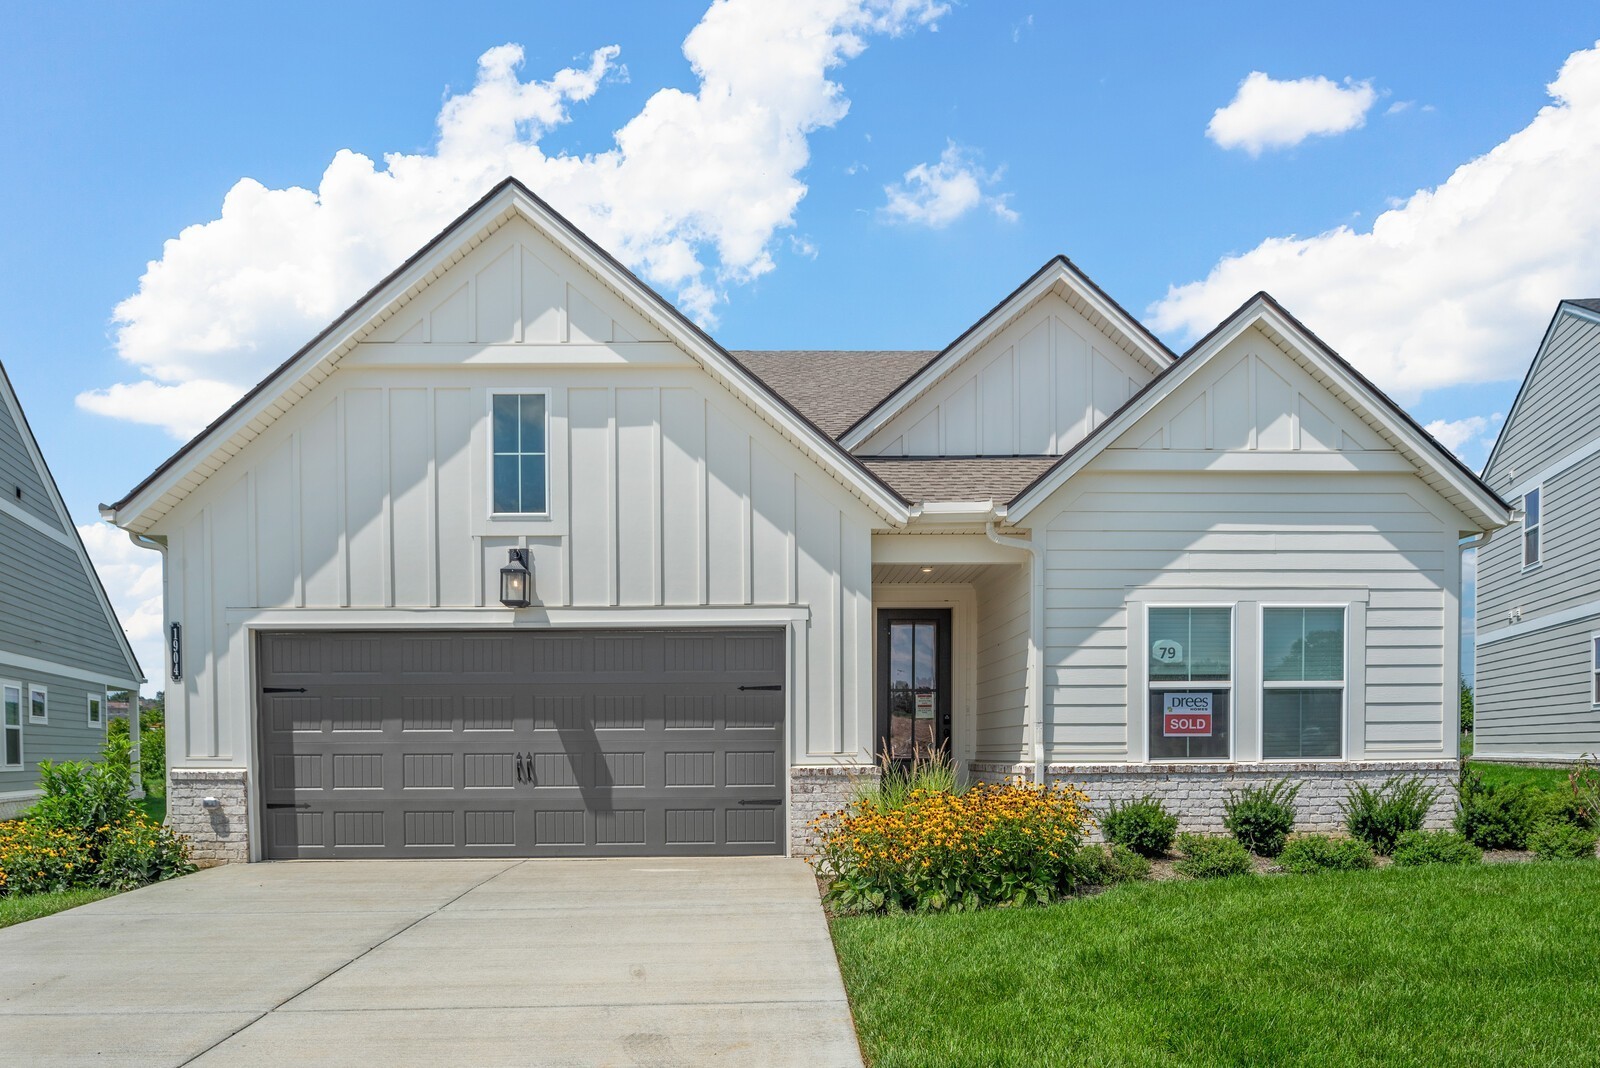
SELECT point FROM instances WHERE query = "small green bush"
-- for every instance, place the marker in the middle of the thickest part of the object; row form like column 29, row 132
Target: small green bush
column 1435, row 847
column 1379, row 817
column 152, row 749
column 1307, row 854
column 1144, row 826
column 1466, row 706
column 1107, row 865
column 1261, row 817
column 1212, row 858
column 1562, row 841
column 1500, row 816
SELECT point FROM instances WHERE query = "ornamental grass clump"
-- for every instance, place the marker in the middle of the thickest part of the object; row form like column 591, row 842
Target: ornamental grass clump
column 1009, row 844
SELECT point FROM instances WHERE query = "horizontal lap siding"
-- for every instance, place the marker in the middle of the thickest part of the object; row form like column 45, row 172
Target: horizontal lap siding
column 1003, row 621
column 1534, row 693
column 48, row 608
column 65, row 736
column 1243, row 538
column 1569, row 574
column 18, row 471
column 1559, row 410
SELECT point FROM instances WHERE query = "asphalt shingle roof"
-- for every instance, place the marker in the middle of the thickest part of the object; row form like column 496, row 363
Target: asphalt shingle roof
column 964, row 478
column 833, row 387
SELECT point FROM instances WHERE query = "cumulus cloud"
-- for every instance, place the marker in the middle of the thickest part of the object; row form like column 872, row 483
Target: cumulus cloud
column 676, row 197
column 1266, row 113
column 132, row 578
column 1469, row 437
column 1454, row 285
column 937, row 194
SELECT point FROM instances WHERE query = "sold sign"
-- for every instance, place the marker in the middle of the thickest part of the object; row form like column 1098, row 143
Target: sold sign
column 1186, row 715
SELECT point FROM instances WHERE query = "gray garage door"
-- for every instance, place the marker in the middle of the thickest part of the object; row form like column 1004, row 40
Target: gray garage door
column 562, row 743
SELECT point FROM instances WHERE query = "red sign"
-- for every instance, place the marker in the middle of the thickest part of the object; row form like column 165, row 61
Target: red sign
column 1186, row 715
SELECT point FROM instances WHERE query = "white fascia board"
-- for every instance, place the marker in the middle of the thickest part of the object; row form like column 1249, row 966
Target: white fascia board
column 475, row 228
column 1056, row 272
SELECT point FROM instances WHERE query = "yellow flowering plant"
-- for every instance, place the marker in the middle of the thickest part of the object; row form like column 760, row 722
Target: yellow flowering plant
column 940, row 849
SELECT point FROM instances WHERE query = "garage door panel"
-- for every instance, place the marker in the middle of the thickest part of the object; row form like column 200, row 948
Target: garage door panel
column 628, row 743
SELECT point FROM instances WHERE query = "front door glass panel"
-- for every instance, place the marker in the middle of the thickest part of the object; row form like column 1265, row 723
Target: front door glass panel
column 914, row 686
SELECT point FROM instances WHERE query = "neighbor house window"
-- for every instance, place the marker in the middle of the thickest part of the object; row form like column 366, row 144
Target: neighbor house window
column 11, row 723
column 1302, row 673
column 97, row 709
column 36, row 704
column 518, row 479
column 1532, row 526
column 1191, row 683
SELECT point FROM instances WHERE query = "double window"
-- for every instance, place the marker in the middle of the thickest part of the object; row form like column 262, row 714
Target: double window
column 1302, row 683
column 11, row 724
column 1191, row 683
column 519, row 482
column 1532, row 526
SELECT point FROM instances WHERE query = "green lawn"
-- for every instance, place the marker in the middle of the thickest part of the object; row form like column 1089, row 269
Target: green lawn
column 1543, row 778
column 32, row 906
column 1419, row 966
column 154, row 806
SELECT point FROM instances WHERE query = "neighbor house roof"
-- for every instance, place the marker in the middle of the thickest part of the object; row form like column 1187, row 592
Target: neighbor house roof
column 833, row 387
column 1589, row 309
column 962, row 478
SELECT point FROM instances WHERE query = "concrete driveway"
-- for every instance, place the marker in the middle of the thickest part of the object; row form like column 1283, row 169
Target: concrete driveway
column 396, row 963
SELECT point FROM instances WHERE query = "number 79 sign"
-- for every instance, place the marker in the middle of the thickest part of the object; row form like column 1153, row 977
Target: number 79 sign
column 1166, row 651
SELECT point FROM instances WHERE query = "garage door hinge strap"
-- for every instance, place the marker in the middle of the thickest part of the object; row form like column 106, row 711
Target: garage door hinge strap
column 777, row 687
column 762, row 801
column 283, row 689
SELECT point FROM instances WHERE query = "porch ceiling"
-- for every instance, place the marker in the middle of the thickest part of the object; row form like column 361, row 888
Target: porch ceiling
column 940, row 575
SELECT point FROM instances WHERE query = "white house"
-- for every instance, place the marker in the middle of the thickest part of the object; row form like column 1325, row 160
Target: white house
column 1054, row 547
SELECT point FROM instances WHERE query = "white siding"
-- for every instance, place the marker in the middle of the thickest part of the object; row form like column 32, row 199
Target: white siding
column 1003, row 621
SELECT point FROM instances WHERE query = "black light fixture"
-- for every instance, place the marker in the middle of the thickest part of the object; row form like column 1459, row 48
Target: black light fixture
column 516, row 581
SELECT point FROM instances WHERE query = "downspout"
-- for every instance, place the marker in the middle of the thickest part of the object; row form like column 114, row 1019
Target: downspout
column 1035, row 642
column 143, row 542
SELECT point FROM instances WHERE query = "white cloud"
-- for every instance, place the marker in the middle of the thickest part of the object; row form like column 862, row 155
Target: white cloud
column 132, row 578
column 1266, row 113
column 1454, row 285
column 937, row 194
column 1468, row 438
column 675, row 197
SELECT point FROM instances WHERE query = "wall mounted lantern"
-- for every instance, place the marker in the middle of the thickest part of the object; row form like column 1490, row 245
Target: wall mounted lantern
column 516, row 581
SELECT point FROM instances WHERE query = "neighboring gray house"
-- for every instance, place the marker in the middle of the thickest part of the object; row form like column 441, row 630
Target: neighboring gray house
column 1055, row 548
column 1538, row 677
column 61, row 647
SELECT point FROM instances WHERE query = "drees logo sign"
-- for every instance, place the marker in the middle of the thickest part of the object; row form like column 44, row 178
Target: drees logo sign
column 1186, row 715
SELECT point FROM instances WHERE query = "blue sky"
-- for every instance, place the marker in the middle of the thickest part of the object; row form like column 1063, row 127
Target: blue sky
column 1037, row 129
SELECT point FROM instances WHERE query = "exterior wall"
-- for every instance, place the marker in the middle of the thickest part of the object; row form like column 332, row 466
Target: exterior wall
column 218, row 834
column 1037, row 388
column 18, row 469
column 815, row 792
column 1534, row 696
column 1196, row 793
column 1003, row 623
column 367, row 502
column 1558, row 410
column 65, row 735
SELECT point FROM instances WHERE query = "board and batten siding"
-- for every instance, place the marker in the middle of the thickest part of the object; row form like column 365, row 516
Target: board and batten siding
column 1037, row 388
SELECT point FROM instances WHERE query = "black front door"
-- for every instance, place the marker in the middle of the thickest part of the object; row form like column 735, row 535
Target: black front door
column 913, row 683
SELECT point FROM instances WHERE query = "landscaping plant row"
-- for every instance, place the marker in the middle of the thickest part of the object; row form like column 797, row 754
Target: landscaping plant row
column 918, row 842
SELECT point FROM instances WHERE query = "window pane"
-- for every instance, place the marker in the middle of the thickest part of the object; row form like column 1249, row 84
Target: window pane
column 1302, row 724
column 1191, row 644
column 505, row 423
column 1530, row 508
column 506, row 484
column 36, row 704
column 94, row 710
column 1302, row 644
column 532, row 484
column 13, row 747
column 13, row 702
column 1217, row 746
column 533, row 423
column 1530, row 546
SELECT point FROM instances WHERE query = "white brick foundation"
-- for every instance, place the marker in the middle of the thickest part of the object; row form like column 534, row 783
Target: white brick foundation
column 1195, row 793
column 219, row 835
column 813, row 791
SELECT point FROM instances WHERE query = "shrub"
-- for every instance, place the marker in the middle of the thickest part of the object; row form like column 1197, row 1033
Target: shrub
column 79, row 796
column 1144, row 826
column 141, row 851
column 1583, row 783
column 36, row 858
column 1107, row 865
column 1435, row 847
column 1212, row 858
column 1499, row 817
column 1306, row 854
column 1010, row 844
column 1379, row 817
column 1562, row 841
column 1261, row 817
column 152, row 749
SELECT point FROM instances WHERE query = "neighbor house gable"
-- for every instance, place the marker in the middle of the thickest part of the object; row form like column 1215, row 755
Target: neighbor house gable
column 1086, row 315
column 1563, row 380
column 1282, row 390
column 466, row 304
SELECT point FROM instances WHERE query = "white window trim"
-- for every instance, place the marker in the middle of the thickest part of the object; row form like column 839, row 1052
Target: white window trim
column 1594, row 669
column 1150, row 682
column 488, row 478
column 1343, row 684
column 44, row 703
column 88, row 709
column 22, row 719
column 1537, row 528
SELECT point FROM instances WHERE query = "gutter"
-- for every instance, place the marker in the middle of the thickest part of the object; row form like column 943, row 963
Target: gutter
column 1035, row 642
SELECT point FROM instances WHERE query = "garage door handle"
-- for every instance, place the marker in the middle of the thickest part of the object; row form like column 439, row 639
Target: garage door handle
column 519, row 768
column 762, row 801
column 777, row 687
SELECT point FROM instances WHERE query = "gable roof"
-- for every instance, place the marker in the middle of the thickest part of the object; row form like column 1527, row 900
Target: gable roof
column 69, row 531
column 1588, row 308
column 959, row 478
column 832, row 387
column 230, row 432
column 1437, row 465
column 1059, row 275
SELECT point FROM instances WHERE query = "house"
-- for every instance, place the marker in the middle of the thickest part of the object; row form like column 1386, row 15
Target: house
column 1538, row 627
column 61, row 647
column 1053, row 547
